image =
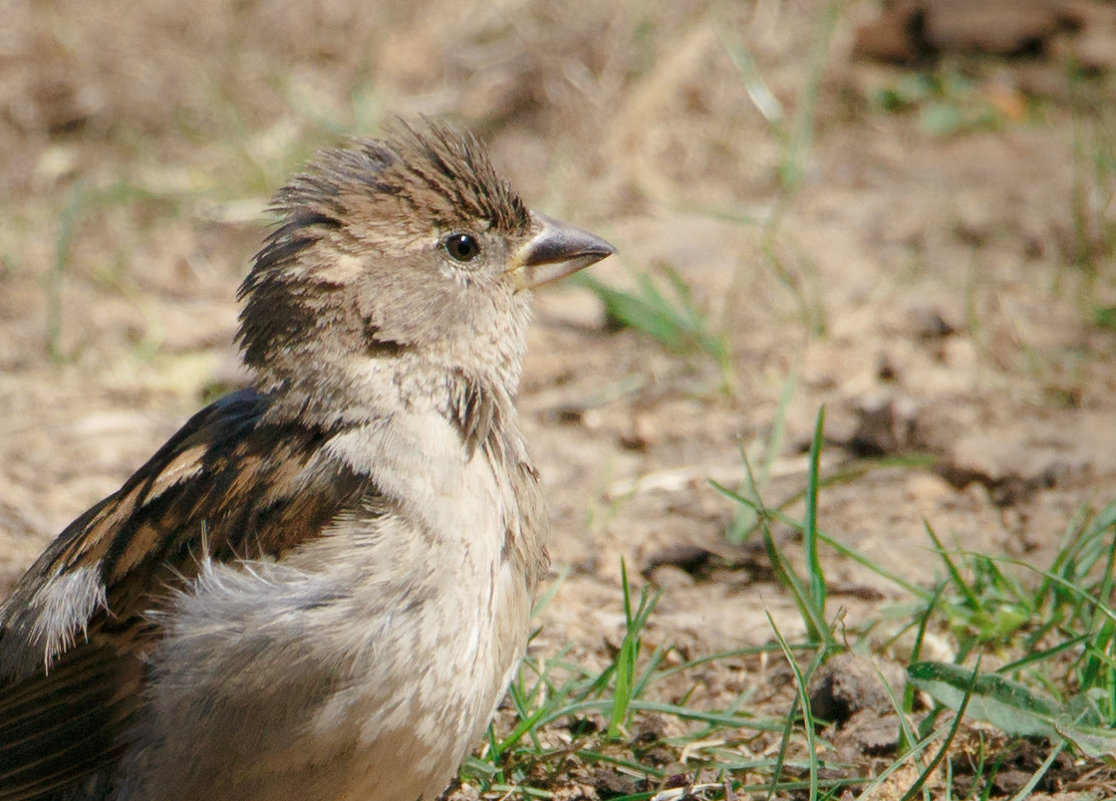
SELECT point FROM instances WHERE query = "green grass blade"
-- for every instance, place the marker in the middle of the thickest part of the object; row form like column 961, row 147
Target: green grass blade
column 959, row 715
column 817, row 630
column 808, row 724
column 1028, row 788
column 842, row 549
column 784, row 747
column 954, row 574
column 1013, row 708
column 810, row 523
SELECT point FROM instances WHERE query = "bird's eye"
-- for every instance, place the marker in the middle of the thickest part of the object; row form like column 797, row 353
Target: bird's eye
column 461, row 247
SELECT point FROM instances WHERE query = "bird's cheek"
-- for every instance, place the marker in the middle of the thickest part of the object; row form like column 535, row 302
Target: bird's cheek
column 410, row 314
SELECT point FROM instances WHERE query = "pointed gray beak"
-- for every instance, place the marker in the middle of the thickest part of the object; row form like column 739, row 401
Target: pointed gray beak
column 555, row 251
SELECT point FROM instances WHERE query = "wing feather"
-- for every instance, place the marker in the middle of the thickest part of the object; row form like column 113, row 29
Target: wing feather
column 230, row 485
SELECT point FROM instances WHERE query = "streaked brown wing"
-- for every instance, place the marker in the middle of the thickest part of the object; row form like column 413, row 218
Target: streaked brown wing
column 229, row 485
column 64, row 727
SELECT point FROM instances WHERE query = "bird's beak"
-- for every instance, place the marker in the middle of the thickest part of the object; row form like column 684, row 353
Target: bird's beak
column 555, row 251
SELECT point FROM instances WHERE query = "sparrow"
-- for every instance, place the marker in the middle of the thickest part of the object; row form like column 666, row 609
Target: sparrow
column 320, row 587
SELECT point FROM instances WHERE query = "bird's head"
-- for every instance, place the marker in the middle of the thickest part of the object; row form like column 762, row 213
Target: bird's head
column 409, row 248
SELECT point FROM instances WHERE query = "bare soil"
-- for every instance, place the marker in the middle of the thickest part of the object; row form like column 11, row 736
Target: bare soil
column 935, row 291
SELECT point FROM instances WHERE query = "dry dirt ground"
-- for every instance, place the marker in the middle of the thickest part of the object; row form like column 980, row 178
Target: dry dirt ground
column 934, row 289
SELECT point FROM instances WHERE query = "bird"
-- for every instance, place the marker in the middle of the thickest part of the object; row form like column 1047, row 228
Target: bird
column 320, row 587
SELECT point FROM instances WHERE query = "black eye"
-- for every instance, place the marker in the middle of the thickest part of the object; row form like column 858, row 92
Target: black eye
column 461, row 247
